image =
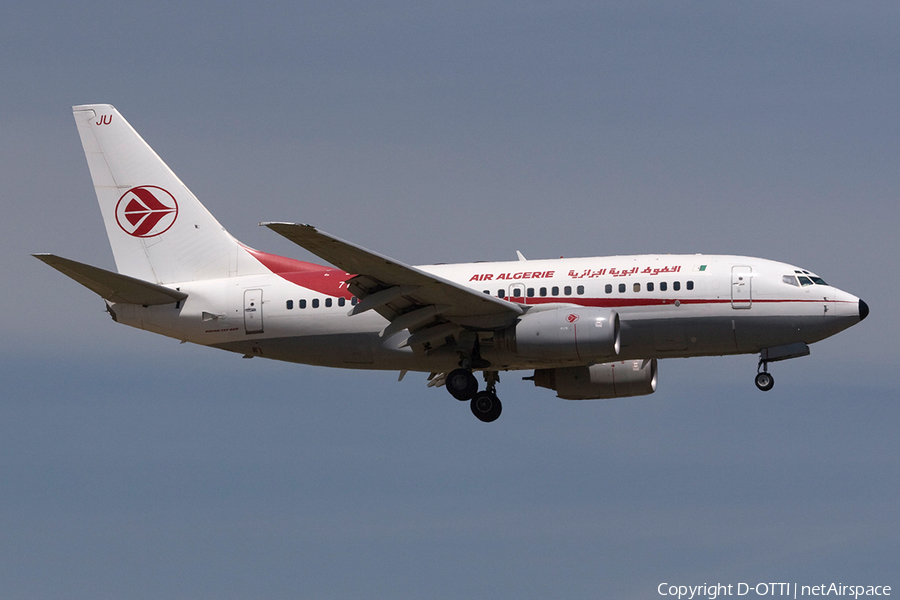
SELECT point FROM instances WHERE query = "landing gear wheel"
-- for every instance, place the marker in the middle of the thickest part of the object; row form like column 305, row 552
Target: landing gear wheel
column 461, row 384
column 486, row 406
column 764, row 381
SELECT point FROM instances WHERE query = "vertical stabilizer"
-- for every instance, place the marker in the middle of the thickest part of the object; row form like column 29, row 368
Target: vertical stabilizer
column 157, row 228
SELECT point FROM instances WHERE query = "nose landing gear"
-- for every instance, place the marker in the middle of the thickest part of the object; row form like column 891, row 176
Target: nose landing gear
column 765, row 381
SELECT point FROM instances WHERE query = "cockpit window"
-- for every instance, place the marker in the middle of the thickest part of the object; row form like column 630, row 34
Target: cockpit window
column 790, row 279
column 809, row 278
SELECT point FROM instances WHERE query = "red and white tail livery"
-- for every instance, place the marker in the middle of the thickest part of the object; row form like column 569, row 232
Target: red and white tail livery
column 587, row 327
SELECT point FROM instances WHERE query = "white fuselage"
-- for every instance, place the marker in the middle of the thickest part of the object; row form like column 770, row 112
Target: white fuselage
column 668, row 305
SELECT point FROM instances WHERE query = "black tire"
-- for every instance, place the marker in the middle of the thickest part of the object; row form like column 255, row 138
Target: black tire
column 461, row 384
column 486, row 406
column 765, row 381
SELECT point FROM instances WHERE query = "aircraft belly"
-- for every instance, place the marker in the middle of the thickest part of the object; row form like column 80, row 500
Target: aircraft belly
column 716, row 336
column 345, row 350
column 664, row 338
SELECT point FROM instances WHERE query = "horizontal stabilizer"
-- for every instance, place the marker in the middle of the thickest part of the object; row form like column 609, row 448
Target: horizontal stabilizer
column 113, row 286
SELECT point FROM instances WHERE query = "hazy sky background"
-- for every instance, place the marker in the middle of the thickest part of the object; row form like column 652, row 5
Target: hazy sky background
column 135, row 467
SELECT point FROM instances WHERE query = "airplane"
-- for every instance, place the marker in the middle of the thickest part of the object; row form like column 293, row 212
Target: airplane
column 587, row 328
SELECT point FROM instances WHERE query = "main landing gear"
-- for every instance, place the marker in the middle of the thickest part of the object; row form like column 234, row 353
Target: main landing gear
column 485, row 405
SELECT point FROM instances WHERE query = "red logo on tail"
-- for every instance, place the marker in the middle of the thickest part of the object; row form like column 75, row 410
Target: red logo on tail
column 146, row 211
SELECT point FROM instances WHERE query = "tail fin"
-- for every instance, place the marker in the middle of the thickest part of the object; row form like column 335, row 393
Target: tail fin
column 157, row 228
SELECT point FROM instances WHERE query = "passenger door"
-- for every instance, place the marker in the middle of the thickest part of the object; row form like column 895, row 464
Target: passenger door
column 741, row 284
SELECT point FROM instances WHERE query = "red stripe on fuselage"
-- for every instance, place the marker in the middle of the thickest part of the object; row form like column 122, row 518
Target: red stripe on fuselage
column 318, row 278
column 635, row 302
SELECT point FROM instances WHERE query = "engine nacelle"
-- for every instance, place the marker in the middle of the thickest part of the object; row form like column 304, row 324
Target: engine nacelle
column 579, row 333
column 608, row 380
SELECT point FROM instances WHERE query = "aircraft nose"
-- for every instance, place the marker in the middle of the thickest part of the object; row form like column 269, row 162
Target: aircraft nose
column 863, row 310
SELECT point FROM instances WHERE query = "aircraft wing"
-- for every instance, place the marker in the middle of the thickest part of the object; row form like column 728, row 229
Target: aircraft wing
column 408, row 297
column 114, row 287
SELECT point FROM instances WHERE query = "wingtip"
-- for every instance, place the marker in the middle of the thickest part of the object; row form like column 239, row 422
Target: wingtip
column 273, row 224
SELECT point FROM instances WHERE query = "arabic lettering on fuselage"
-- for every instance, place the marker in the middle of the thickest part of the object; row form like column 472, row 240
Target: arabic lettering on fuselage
column 573, row 274
column 613, row 272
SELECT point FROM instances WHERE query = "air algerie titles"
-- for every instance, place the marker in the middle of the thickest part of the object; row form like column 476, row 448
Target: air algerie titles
column 508, row 276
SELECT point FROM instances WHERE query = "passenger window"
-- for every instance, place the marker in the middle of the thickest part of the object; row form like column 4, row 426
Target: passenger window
column 543, row 291
column 315, row 303
column 608, row 288
column 342, row 301
column 327, row 302
column 663, row 286
column 290, row 305
column 621, row 288
column 568, row 290
column 555, row 291
column 486, row 292
column 354, row 301
column 650, row 287
column 501, row 294
column 676, row 285
column 690, row 285
column 530, row 292
column 301, row 303
column 805, row 281
column 580, row 290
column 516, row 292
column 637, row 287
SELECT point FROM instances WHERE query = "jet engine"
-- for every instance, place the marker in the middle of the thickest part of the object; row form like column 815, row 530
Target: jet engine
column 608, row 380
column 575, row 333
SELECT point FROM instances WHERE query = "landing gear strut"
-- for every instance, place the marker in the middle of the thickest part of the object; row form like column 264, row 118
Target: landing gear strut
column 462, row 385
column 764, row 380
column 486, row 406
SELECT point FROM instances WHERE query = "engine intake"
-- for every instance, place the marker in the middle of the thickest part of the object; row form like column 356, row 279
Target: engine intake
column 608, row 380
column 578, row 333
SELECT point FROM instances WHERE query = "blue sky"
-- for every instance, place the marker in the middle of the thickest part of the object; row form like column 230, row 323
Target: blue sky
column 135, row 467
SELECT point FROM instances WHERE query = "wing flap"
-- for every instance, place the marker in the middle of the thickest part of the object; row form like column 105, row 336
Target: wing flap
column 114, row 287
